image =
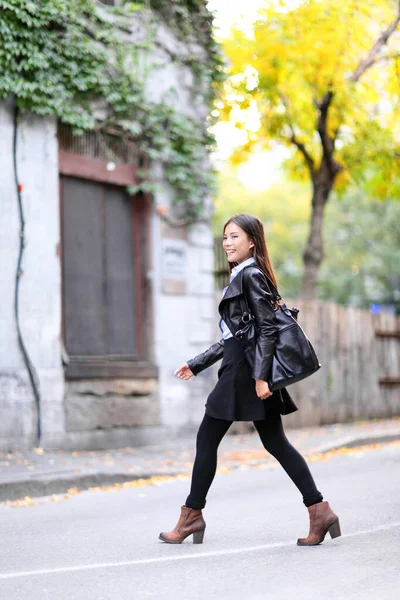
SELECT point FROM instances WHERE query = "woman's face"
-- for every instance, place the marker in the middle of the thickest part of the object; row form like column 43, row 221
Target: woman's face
column 237, row 244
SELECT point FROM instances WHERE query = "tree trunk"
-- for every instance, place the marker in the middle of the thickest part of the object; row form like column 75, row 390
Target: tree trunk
column 314, row 252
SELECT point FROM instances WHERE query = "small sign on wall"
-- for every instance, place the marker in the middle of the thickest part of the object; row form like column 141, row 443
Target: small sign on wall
column 174, row 264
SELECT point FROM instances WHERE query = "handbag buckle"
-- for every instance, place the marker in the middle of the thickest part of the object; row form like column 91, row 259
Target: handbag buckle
column 246, row 318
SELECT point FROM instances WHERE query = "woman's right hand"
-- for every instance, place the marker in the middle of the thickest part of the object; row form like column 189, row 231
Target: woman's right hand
column 183, row 372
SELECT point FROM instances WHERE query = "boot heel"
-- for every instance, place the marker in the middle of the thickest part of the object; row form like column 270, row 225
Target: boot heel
column 334, row 530
column 198, row 537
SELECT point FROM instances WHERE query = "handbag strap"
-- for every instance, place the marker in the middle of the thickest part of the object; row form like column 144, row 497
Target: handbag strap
column 275, row 294
column 274, row 290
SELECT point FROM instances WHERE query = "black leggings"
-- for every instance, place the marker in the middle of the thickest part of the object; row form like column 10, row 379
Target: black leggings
column 274, row 440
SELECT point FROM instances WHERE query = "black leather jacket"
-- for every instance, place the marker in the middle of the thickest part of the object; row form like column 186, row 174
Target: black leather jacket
column 251, row 281
column 231, row 308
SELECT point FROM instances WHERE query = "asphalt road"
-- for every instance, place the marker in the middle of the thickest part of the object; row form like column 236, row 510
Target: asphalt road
column 104, row 545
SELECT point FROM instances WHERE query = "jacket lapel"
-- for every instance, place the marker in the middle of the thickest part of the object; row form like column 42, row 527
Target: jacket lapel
column 234, row 289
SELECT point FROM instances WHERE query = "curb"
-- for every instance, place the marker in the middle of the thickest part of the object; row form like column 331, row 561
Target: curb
column 380, row 437
column 61, row 483
column 37, row 488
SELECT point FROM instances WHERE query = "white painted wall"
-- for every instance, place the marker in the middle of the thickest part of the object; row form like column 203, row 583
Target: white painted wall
column 40, row 293
column 184, row 325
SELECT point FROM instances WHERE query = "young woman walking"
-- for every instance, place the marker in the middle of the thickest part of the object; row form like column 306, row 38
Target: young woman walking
column 242, row 392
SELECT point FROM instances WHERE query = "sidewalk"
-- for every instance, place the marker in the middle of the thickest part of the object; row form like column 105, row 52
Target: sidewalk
column 41, row 473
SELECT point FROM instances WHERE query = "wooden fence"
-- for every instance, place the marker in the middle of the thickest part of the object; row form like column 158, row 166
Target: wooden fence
column 360, row 373
column 360, row 357
column 359, row 353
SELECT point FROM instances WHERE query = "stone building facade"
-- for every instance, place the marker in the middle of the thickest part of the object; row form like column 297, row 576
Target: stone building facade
column 112, row 384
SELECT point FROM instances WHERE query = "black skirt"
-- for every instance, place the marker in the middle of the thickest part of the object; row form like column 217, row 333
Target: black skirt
column 234, row 396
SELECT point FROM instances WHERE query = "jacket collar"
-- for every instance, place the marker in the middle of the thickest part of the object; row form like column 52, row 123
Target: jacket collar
column 241, row 266
column 235, row 288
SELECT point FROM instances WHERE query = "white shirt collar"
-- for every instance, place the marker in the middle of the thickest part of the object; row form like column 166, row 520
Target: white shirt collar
column 241, row 266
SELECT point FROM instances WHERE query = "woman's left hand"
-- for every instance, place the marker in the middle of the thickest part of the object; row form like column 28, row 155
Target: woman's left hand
column 262, row 389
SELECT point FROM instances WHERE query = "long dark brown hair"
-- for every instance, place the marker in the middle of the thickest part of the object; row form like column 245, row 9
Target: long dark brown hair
column 254, row 229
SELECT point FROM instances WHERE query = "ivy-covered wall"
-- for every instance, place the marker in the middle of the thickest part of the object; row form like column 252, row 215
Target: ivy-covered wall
column 67, row 57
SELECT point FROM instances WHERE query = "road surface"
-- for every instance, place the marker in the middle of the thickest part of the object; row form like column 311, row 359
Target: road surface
column 104, row 545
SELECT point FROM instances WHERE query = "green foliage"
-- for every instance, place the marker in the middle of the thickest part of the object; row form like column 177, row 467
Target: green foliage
column 75, row 60
column 361, row 239
column 284, row 209
column 323, row 80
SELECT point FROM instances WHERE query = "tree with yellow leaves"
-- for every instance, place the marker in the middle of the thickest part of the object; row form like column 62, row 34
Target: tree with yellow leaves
column 323, row 78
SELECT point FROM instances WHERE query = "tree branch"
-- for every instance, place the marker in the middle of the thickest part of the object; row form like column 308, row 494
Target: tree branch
column 299, row 145
column 328, row 143
column 370, row 60
column 386, row 57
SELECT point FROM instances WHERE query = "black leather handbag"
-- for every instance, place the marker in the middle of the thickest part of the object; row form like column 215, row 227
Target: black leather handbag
column 294, row 357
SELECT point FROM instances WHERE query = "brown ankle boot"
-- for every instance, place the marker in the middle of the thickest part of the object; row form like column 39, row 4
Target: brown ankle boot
column 322, row 520
column 190, row 522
